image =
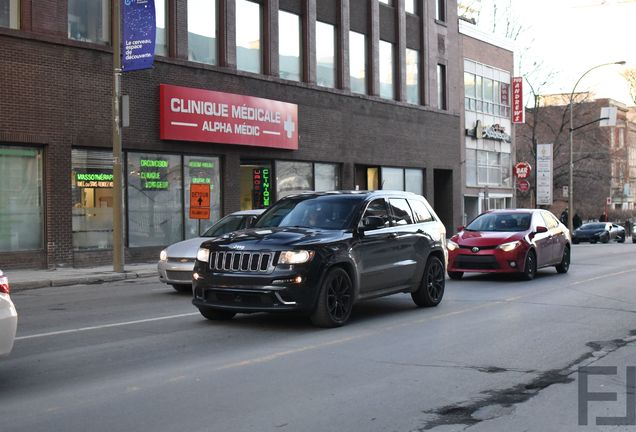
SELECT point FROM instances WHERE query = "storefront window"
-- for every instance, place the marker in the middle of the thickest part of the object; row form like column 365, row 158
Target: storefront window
column 326, row 177
column 325, row 54
column 161, row 44
column 412, row 76
column 386, row 70
column 198, row 169
column 92, row 195
column 202, row 31
column 21, row 202
column 155, row 204
column 414, row 181
column 293, row 177
column 248, row 36
column 9, row 13
column 392, row 178
column 89, row 20
column 358, row 62
column 289, row 45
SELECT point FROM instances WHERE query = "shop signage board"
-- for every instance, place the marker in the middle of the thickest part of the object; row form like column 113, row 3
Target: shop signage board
column 523, row 185
column 517, row 100
column 522, row 170
column 261, row 187
column 153, row 174
column 544, row 174
column 200, row 201
column 93, row 178
column 138, row 26
column 190, row 114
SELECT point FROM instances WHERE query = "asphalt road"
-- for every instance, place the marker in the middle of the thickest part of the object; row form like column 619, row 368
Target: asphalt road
column 136, row 356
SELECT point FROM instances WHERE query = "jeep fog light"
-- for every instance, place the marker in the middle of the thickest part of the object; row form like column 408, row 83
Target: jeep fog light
column 295, row 257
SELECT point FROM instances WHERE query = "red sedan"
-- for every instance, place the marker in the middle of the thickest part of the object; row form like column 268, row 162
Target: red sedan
column 510, row 241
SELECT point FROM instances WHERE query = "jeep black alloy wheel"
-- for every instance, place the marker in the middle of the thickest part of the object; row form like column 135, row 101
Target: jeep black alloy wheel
column 335, row 300
column 431, row 289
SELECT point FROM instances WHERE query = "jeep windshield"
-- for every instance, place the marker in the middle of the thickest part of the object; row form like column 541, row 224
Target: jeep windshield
column 331, row 212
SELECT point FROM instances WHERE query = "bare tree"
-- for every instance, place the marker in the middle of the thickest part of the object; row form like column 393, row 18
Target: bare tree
column 630, row 77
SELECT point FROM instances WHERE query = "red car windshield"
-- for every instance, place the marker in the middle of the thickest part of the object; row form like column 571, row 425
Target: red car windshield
column 510, row 222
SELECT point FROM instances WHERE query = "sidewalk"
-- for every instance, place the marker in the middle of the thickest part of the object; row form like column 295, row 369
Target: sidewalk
column 31, row 279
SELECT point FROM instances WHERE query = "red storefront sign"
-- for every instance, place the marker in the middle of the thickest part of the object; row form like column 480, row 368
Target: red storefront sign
column 522, row 170
column 523, row 185
column 517, row 100
column 189, row 114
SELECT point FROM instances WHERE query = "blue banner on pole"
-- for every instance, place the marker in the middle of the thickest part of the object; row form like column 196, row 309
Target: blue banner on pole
column 138, row 34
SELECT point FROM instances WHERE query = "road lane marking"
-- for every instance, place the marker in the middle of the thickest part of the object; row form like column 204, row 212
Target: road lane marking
column 103, row 326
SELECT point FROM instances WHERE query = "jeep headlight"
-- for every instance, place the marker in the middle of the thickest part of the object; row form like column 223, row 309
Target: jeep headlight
column 507, row 247
column 163, row 255
column 203, row 254
column 295, row 257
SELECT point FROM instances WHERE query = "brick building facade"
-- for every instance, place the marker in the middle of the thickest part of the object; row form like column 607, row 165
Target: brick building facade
column 55, row 107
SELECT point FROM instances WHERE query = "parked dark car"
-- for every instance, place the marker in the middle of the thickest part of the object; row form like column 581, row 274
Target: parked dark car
column 510, row 241
column 320, row 253
column 602, row 232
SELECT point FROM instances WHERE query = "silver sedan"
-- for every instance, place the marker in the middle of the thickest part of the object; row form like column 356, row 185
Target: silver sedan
column 177, row 260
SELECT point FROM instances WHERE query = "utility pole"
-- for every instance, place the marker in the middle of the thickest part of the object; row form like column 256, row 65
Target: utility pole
column 118, row 201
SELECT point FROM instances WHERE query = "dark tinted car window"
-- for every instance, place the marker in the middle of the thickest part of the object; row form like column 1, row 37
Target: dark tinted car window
column 378, row 208
column 401, row 211
column 593, row 226
column 325, row 212
column 501, row 222
column 420, row 212
column 224, row 226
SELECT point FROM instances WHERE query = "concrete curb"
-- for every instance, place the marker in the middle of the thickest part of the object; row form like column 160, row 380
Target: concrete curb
column 80, row 280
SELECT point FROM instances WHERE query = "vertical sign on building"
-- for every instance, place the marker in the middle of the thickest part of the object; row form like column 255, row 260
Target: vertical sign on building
column 518, row 113
column 544, row 174
column 261, row 188
column 138, row 26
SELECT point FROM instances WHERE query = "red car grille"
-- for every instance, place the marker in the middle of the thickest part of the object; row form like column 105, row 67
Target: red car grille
column 476, row 262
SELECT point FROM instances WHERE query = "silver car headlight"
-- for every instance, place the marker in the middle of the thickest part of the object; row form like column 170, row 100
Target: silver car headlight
column 451, row 245
column 203, row 254
column 295, row 257
column 163, row 255
column 507, row 247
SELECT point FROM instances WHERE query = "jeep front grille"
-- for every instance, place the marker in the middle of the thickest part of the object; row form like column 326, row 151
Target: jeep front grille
column 244, row 262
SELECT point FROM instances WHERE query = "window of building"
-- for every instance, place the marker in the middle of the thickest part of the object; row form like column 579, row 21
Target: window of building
column 441, row 87
column 290, row 64
column 487, row 95
column 248, row 36
column 358, row 62
column 161, row 39
column 392, row 178
column 197, row 170
column 10, row 13
column 202, row 31
column 89, row 20
column 296, row 177
column 386, row 2
column 488, row 168
column 92, row 196
column 440, row 10
column 409, row 6
column 325, row 54
column 412, row 76
column 155, row 199
column 414, row 181
column 326, row 177
column 21, row 199
column 387, row 90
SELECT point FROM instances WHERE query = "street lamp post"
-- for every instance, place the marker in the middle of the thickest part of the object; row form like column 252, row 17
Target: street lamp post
column 572, row 128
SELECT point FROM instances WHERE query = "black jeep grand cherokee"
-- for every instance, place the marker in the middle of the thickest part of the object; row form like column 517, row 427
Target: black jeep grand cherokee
column 322, row 252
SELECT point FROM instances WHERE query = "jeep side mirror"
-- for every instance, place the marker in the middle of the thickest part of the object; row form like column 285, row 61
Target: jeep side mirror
column 372, row 222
